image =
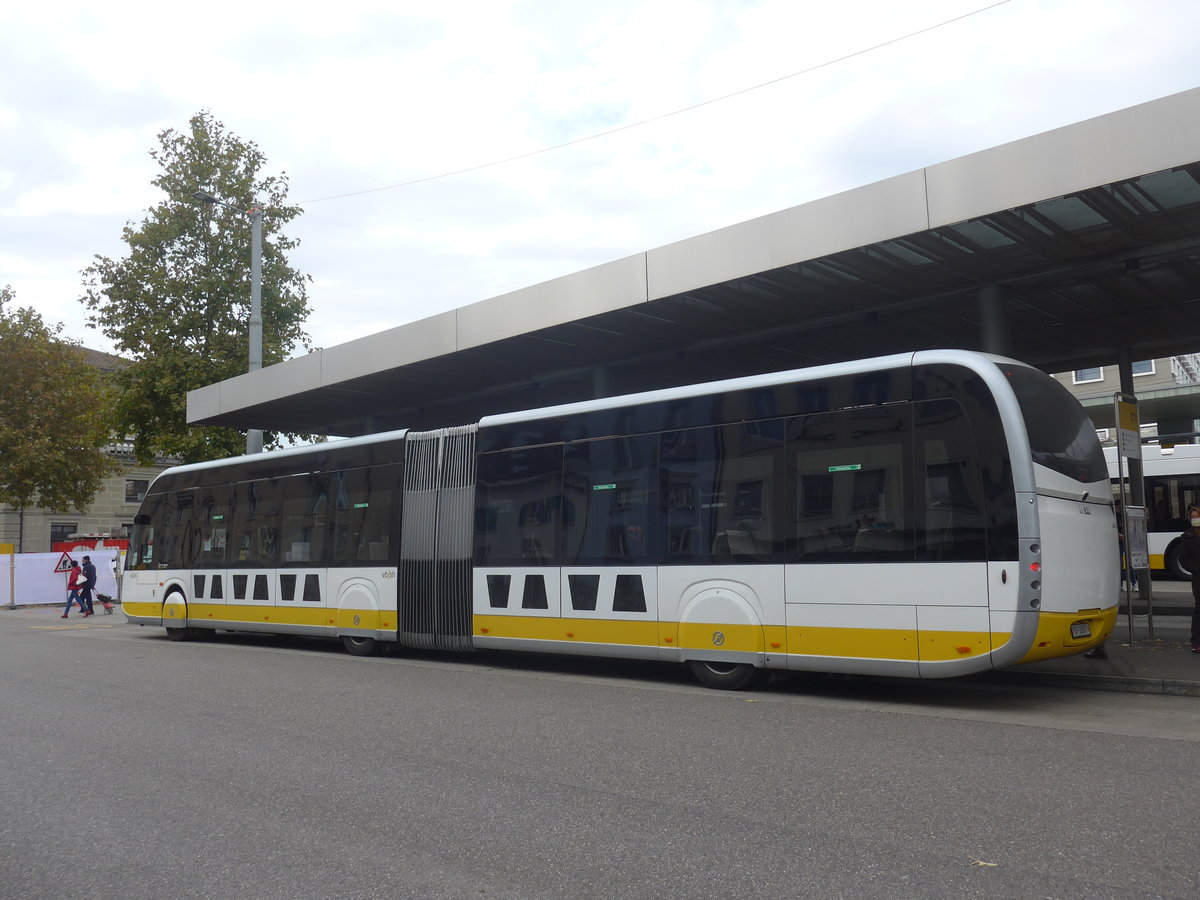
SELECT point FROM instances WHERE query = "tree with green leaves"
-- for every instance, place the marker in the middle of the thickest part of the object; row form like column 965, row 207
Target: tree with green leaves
column 178, row 305
column 55, row 415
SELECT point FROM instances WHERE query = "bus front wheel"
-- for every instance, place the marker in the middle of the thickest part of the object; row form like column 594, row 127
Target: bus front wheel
column 724, row 676
column 170, row 604
column 359, row 646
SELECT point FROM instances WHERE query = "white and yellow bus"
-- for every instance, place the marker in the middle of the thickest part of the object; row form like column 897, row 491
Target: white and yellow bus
column 929, row 514
column 1171, row 477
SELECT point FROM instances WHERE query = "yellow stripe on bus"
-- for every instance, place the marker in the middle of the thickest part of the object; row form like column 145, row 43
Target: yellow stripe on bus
column 283, row 615
column 220, row 613
column 855, row 643
column 584, row 631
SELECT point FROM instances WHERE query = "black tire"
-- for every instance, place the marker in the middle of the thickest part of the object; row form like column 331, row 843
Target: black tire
column 360, row 646
column 725, row 676
column 1173, row 566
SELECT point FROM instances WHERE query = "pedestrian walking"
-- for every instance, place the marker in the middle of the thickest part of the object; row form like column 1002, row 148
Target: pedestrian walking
column 75, row 583
column 1189, row 558
column 89, row 583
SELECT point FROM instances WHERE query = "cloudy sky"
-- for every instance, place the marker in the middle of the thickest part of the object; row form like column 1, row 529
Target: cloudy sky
column 366, row 104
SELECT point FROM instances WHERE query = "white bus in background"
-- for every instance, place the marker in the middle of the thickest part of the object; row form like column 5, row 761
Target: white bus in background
column 1172, row 479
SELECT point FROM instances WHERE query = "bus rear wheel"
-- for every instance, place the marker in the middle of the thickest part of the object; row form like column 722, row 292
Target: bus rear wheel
column 724, row 676
column 359, row 646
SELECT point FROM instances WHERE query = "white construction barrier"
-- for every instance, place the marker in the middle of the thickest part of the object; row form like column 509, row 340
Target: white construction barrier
column 36, row 582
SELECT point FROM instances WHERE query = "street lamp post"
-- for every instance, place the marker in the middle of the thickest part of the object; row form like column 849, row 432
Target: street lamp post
column 254, row 436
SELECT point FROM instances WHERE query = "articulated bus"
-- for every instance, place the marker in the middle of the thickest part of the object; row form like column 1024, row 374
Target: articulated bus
column 1172, row 481
column 929, row 514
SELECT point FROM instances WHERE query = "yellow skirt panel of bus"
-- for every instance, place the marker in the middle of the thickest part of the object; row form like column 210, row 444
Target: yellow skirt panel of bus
column 1062, row 634
column 220, row 613
column 852, row 643
column 938, row 646
column 143, row 610
column 583, row 631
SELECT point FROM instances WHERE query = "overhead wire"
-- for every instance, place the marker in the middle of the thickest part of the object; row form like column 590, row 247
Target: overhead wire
column 658, row 118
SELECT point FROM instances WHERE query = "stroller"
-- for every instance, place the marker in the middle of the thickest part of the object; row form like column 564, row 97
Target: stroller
column 107, row 602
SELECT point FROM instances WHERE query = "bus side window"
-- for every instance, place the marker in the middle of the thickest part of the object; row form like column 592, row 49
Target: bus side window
column 853, row 485
column 363, row 502
column 719, row 489
column 140, row 555
column 518, row 499
column 305, row 511
column 173, row 528
column 612, row 494
column 254, row 524
column 951, row 523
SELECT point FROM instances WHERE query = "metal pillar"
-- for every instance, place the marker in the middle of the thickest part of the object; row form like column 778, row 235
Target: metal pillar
column 1137, row 497
column 995, row 335
column 601, row 382
column 254, row 436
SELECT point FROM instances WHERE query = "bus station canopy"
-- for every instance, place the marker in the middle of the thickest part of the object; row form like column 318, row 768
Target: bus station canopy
column 1064, row 250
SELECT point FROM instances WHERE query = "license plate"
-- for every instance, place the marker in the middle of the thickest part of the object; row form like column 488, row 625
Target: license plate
column 1081, row 630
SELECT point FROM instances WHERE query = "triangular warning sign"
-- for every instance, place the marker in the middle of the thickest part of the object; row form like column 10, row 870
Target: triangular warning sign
column 65, row 564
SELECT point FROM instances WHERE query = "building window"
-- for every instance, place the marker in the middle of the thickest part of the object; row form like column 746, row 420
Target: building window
column 135, row 489
column 62, row 531
column 1084, row 376
column 1143, row 367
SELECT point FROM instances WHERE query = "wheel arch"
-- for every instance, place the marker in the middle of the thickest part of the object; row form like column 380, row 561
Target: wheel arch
column 358, row 610
column 718, row 622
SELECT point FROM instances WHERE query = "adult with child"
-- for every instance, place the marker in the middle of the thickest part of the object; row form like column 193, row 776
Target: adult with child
column 75, row 583
column 89, row 583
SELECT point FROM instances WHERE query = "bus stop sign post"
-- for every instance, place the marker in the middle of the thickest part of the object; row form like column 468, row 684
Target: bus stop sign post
column 1135, row 551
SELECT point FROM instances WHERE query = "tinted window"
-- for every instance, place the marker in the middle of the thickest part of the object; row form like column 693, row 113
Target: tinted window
column 305, row 519
column 365, row 515
column 174, row 531
column 891, row 386
column 141, row 540
column 950, row 505
column 968, row 389
column 212, row 526
column 719, row 488
column 518, row 498
column 1061, row 435
column 1167, row 500
column 850, row 471
column 254, row 533
column 611, row 509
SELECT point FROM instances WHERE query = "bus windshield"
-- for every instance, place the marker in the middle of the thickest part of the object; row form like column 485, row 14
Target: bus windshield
column 1061, row 435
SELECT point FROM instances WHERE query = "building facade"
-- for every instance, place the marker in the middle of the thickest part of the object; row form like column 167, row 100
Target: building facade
column 1151, row 377
column 35, row 529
